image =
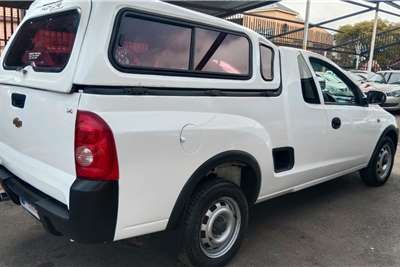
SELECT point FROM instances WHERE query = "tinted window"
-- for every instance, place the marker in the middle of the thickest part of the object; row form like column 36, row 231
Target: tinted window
column 308, row 87
column 45, row 43
column 267, row 58
column 335, row 88
column 220, row 52
column 149, row 44
column 156, row 45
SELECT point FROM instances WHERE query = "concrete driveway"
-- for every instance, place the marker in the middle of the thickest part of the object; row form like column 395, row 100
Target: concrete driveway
column 339, row 223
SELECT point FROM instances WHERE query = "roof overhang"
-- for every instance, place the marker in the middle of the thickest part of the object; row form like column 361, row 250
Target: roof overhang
column 222, row 8
column 16, row 4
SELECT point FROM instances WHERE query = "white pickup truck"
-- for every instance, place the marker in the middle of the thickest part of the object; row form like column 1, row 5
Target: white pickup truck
column 123, row 118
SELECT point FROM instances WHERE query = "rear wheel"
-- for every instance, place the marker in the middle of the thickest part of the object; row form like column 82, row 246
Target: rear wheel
column 379, row 169
column 215, row 223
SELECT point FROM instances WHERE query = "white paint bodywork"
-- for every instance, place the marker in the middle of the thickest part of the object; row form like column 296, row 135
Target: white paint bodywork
column 154, row 165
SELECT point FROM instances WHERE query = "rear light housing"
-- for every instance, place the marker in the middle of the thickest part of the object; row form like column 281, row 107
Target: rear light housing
column 95, row 151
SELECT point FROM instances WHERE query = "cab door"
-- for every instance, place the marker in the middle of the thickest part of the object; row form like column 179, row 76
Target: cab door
column 351, row 124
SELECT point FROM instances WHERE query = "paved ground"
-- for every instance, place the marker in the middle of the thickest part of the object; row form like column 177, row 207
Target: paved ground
column 340, row 223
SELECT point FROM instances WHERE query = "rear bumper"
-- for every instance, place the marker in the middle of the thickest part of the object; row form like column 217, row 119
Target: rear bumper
column 91, row 217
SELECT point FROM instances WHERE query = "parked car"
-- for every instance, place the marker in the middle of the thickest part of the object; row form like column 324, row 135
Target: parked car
column 361, row 81
column 380, row 82
column 391, row 76
column 120, row 134
column 363, row 73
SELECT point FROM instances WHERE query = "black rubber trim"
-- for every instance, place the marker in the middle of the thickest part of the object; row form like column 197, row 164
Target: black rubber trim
column 92, row 214
column 168, row 91
column 201, row 173
column 283, row 159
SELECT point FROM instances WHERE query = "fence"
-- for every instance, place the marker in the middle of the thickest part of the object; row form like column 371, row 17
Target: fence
column 10, row 18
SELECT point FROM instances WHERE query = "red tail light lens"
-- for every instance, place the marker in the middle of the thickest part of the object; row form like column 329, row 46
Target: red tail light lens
column 95, row 152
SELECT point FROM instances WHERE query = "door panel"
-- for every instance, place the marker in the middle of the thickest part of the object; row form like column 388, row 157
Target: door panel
column 351, row 124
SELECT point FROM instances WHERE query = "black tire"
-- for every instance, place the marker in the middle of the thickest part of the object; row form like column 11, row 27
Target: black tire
column 209, row 196
column 370, row 175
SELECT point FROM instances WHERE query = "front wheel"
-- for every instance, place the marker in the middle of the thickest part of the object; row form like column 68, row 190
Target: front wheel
column 379, row 169
column 215, row 222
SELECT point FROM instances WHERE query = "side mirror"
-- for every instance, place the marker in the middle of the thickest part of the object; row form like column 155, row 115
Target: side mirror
column 376, row 97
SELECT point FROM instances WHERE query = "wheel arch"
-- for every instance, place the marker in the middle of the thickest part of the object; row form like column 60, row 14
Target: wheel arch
column 251, row 185
column 392, row 132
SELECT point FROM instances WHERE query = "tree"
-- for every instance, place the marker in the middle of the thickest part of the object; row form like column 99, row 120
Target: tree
column 359, row 36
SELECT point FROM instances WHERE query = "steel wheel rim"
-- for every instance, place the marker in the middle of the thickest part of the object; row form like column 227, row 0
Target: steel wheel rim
column 384, row 162
column 220, row 227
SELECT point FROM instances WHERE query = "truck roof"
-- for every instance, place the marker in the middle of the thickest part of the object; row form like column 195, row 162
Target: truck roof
column 159, row 7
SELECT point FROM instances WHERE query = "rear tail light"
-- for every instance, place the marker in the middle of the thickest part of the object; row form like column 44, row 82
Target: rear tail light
column 95, row 152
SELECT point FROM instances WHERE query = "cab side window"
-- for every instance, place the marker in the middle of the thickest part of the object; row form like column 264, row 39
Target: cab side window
column 336, row 88
column 155, row 45
column 308, row 86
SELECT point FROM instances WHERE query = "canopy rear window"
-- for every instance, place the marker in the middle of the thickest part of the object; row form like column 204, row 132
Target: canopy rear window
column 45, row 43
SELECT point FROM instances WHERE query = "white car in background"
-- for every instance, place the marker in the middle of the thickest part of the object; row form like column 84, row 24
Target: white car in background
column 391, row 76
column 363, row 73
column 387, row 83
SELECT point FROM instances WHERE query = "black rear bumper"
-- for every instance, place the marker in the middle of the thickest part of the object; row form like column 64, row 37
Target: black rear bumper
column 92, row 213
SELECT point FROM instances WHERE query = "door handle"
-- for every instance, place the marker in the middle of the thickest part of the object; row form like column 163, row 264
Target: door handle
column 336, row 123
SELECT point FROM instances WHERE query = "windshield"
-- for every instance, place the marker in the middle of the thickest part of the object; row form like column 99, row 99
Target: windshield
column 377, row 78
column 45, row 43
column 356, row 77
column 394, row 78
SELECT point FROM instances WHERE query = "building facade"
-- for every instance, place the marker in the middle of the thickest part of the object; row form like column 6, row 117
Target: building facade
column 277, row 19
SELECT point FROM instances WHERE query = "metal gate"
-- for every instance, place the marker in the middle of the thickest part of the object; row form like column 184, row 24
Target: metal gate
column 9, row 21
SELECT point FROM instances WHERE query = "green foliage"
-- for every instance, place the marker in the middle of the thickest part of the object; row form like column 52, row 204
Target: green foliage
column 363, row 31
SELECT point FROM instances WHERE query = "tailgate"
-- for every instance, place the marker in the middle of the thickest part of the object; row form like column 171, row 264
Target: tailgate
column 37, row 138
column 37, row 110
column 44, row 51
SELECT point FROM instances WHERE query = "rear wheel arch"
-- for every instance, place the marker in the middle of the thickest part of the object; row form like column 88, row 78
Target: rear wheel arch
column 250, row 181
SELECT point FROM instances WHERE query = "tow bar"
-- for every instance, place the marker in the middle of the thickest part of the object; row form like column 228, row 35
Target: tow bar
column 4, row 196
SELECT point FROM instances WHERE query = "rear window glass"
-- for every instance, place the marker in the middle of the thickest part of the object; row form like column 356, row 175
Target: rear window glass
column 145, row 44
column 45, row 43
